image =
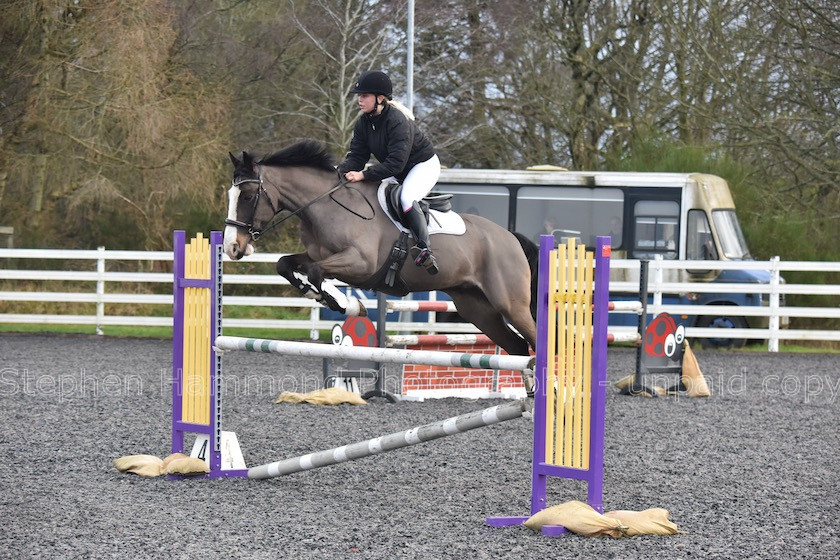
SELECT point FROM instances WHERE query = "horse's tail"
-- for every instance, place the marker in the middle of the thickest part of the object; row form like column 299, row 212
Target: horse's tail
column 532, row 253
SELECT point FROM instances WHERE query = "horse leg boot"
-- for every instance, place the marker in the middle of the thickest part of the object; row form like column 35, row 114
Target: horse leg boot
column 289, row 267
column 420, row 252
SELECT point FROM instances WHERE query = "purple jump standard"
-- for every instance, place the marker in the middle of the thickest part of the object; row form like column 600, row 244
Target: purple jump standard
column 541, row 470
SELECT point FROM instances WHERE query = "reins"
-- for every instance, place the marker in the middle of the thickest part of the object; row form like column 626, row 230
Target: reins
column 257, row 233
column 344, row 181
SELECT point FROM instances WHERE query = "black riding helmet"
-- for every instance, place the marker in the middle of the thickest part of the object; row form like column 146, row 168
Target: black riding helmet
column 375, row 82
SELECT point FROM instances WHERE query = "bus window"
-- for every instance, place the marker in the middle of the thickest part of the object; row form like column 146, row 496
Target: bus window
column 731, row 237
column 579, row 212
column 656, row 229
column 615, row 232
column 492, row 203
column 699, row 243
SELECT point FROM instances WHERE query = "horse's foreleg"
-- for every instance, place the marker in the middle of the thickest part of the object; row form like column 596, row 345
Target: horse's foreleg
column 307, row 277
column 347, row 265
column 290, row 266
column 331, row 296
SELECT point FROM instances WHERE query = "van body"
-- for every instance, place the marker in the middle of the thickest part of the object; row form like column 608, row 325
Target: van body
column 686, row 216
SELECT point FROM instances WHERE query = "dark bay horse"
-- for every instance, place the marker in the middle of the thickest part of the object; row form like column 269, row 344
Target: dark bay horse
column 348, row 237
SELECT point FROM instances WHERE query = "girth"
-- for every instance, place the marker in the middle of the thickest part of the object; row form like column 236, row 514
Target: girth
column 389, row 274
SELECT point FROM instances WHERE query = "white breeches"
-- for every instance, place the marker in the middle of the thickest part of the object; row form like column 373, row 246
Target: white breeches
column 419, row 181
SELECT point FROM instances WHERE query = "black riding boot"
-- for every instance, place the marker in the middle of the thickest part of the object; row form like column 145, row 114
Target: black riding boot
column 421, row 253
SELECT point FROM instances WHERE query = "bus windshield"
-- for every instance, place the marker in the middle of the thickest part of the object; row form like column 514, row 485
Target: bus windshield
column 732, row 241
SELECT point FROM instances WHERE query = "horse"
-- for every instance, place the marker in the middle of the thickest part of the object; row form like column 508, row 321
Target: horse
column 349, row 237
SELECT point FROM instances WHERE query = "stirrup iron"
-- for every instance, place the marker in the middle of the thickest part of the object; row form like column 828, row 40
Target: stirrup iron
column 424, row 257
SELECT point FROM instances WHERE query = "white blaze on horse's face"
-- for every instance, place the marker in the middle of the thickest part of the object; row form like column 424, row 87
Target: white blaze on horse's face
column 235, row 239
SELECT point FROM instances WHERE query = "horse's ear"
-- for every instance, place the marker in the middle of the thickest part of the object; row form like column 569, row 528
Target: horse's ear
column 236, row 162
column 247, row 159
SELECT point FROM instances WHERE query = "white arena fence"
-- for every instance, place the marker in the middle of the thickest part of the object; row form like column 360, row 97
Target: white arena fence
column 99, row 269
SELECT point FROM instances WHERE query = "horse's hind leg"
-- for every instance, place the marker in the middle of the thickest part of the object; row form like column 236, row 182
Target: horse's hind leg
column 473, row 306
column 509, row 294
column 520, row 317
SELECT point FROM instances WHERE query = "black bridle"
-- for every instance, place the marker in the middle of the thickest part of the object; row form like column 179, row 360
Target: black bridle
column 257, row 233
column 252, row 231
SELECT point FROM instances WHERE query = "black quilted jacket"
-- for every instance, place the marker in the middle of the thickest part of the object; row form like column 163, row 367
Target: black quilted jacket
column 397, row 142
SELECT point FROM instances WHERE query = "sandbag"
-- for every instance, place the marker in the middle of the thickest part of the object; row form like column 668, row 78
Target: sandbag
column 187, row 466
column 625, row 382
column 170, row 458
column 582, row 519
column 331, row 396
column 692, row 378
column 652, row 521
column 628, row 380
column 143, row 465
column 577, row 517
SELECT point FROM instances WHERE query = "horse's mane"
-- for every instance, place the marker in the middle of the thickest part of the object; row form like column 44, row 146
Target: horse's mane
column 306, row 153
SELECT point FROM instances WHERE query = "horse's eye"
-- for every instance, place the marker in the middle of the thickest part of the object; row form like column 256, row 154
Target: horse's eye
column 248, row 196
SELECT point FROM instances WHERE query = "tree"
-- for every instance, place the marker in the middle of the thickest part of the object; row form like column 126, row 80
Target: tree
column 466, row 55
column 117, row 116
column 113, row 134
column 346, row 37
column 788, row 116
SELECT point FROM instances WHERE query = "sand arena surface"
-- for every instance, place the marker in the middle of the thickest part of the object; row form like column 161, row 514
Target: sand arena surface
column 749, row 473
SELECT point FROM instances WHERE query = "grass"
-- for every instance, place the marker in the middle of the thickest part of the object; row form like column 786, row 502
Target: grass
column 794, row 348
column 154, row 332
column 303, row 334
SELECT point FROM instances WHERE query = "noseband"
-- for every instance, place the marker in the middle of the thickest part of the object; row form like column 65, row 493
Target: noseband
column 257, row 233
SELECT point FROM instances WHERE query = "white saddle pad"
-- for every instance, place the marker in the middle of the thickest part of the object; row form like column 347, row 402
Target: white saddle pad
column 439, row 222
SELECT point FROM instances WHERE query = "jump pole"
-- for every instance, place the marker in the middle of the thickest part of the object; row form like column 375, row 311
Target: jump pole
column 372, row 354
column 421, row 434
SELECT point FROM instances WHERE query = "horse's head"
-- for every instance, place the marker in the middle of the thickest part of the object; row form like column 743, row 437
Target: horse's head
column 296, row 180
column 249, row 207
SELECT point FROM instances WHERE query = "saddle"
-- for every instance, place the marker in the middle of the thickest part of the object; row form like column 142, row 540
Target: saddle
column 388, row 275
column 432, row 201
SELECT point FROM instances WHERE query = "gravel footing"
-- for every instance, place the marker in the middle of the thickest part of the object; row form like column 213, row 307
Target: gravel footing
column 749, row 473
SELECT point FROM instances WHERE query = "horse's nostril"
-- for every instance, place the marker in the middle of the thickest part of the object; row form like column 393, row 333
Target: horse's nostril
column 233, row 251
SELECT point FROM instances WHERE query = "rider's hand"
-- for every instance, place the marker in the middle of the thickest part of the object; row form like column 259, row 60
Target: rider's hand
column 354, row 176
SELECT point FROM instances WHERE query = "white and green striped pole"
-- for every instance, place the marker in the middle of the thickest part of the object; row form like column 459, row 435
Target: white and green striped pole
column 381, row 355
column 455, row 425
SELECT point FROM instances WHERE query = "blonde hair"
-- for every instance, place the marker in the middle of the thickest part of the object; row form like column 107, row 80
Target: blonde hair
column 401, row 108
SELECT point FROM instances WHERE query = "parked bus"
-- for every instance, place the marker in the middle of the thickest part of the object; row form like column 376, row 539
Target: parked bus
column 676, row 215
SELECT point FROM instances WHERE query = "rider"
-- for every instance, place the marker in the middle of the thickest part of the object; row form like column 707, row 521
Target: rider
column 387, row 130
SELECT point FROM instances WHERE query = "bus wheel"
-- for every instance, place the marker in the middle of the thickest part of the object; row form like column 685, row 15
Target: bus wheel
column 722, row 322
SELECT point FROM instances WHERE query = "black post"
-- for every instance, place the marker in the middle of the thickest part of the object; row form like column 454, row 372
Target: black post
column 638, row 386
column 381, row 341
column 643, row 297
